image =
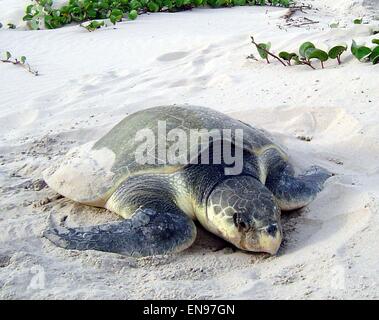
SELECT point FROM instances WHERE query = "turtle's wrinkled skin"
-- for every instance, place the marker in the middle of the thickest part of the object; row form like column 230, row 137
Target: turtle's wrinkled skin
column 160, row 201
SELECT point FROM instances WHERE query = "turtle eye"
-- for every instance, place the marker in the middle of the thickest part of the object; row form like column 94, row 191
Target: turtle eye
column 235, row 219
column 241, row 221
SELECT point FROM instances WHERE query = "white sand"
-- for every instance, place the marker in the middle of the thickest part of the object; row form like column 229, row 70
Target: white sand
column 89, row 81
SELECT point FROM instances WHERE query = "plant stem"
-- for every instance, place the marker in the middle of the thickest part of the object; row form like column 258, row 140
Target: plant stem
column 308, row 64
column 292, row 10
column 24, row 65
column 268, row 52
column 339, row 59
column 322, row 64
column 267, row 60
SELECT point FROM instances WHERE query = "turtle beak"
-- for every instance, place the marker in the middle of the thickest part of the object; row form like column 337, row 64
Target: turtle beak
column 266, row 239
column 270, row 238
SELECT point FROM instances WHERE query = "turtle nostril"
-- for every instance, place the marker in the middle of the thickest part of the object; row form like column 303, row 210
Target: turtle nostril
column 272, row 229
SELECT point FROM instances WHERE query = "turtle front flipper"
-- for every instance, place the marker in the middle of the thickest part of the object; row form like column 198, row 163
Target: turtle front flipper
column 146, row 233
column 296, row 192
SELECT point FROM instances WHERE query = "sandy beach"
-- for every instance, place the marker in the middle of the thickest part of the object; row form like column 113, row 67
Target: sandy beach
column 89, row 81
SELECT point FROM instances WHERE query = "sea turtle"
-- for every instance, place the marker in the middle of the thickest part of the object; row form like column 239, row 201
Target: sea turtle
column 160, row 199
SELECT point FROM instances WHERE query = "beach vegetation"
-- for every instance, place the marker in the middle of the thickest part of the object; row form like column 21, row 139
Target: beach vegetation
column 336, row 52
column 358, row 21
column 21, row 61
column 307, row 52
column 364, row 53
column 43, row 13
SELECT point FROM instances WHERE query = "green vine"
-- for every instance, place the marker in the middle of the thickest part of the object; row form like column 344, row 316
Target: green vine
column 308, row 52
column 43, row 13
column 18, row 62
column 364, row 53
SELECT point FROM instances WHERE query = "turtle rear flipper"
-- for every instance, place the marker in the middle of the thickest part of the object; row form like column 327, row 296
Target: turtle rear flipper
column 296, row 192
column 146, row 233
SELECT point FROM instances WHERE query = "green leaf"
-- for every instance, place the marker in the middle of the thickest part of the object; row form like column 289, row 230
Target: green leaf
column 45, row 3
column 1, row 25
column 92, row 13
column 334, row 25
column 239, row 2
column 313, row 53
column 75, row 10
column 23, row 59
column 153, row 7
column 116, row 15
column 132, row 15
column 135, row 5
column 54, row 20
column 213, row 3
column 7, row 55
column 336, row 52
column 29, row 9
column 375, row 41
column 104, row 4
column 49, row 22
column 374, row 57
column 27, row 17
column 304, row 47
column 360, row 52
column 354, row 47
column 358, row 21
column 77, row 14
column 94, row 25
column 261, row 51
column 117, row 12
column 113, row 19
column 167, row 4
column 286, row 3
column 288, row 56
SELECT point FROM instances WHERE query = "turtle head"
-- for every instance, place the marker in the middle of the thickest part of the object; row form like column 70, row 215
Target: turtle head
column 244, row 212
